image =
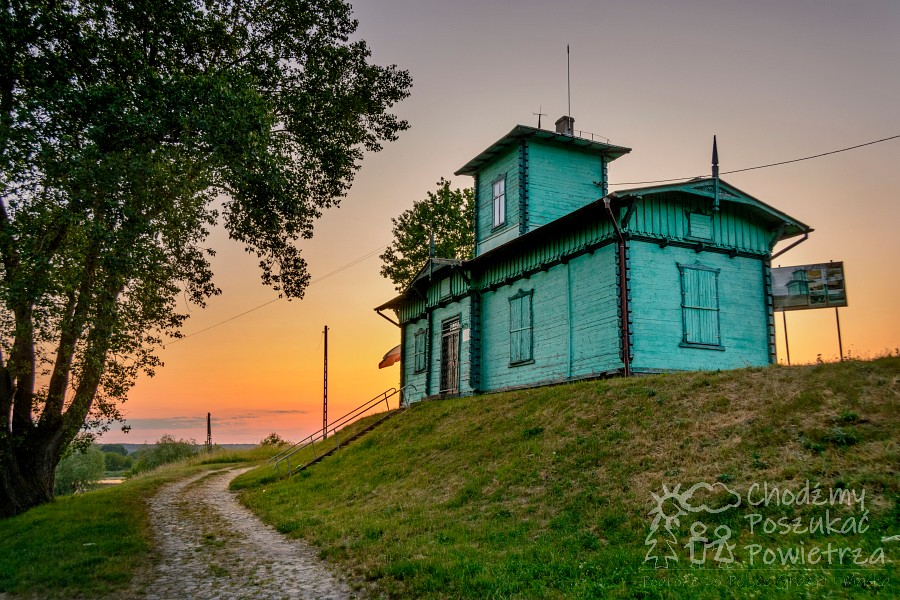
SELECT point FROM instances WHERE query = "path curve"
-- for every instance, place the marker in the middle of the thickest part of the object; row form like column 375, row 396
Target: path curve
column 210, row 546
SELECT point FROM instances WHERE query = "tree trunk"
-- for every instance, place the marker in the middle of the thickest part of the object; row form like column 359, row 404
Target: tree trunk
column 27, row 473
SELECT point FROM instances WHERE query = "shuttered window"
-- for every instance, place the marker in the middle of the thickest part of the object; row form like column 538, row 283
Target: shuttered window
column 700, row 306
column 419, row 350
column 700, row 226
column 520, row 328
column 499, row 193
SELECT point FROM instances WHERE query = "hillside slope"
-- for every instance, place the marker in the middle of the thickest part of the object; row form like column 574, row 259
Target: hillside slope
column 561, row 491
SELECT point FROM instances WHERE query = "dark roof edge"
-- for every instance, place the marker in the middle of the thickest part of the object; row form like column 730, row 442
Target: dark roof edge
column 676, row 186
column 524, row 132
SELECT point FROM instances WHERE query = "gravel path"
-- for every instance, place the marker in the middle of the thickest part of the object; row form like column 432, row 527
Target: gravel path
column 210, row 546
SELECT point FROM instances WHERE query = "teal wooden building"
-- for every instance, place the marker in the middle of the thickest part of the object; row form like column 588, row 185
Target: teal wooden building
column 569, row 281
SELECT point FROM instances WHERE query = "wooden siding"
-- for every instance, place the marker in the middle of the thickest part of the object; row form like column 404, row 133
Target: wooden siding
column 574, row 324
column 461, row 310
column 667, row 216
column 416, row 381
column 487, row 237
column 657, row 314
column 560, row 180
column 580, row 239
column 595, row 323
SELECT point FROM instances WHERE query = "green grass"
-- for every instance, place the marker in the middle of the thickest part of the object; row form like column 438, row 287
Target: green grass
column 92, row 543
column 545, row 493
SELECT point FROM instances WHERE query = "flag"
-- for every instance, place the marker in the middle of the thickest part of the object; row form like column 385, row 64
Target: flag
column 390, row 358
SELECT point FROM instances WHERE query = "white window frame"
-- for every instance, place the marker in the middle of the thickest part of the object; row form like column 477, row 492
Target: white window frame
column 498, row 193
column 519, row 353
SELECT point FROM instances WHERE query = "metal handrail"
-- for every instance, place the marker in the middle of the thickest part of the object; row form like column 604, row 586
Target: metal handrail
column 333, row 427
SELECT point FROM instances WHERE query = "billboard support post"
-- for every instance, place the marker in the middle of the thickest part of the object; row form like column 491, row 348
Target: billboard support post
column 787, row 346
column 837, row 317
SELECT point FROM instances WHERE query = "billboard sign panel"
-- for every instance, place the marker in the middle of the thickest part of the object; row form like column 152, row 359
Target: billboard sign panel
column 809, row 286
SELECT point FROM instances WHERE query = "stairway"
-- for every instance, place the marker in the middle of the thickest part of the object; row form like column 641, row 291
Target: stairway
column 346, row 441
column 328, row 440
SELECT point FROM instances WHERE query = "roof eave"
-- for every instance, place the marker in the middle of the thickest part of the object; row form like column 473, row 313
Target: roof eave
column 755, row 202
column 519, row 132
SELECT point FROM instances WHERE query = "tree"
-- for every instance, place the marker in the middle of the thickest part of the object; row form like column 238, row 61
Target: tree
column 166, row 450
column 127, row 131
column 80, row 470
column 273, row 439
column 446, row 213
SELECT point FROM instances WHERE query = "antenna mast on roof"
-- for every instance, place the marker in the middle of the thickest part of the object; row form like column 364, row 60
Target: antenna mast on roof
column 569, row 81
column 540, row 114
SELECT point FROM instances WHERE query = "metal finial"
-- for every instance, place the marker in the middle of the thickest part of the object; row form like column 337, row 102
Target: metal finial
column 715, row 160
column 715, row 174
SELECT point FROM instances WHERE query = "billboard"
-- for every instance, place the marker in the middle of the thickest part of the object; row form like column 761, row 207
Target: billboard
column 809, row 286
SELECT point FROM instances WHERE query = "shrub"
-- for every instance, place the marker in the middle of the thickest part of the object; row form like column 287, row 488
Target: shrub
column 79, row 471
column 273, row 439
column 117, row 462
column 166, row 450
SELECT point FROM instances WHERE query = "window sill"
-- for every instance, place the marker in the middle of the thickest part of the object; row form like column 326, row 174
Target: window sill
column 497, row 228
column 718, row 347
column 520, row 363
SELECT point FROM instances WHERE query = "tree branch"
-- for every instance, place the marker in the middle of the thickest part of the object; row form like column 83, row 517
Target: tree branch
column 71, row 329
column 7, row 248
column 95, row 356
column 7, row 391
column 22, row 365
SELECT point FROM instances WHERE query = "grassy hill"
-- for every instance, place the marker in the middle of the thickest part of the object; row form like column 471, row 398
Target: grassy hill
column 562, row 491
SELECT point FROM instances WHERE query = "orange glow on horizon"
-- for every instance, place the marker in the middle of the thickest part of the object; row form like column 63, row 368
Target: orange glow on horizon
column 694, row 74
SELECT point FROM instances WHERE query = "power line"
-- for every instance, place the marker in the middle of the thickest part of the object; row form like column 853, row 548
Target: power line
column 775, row 164
column 274, row 300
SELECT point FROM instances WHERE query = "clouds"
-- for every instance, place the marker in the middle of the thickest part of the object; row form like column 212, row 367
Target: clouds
column 249, row 427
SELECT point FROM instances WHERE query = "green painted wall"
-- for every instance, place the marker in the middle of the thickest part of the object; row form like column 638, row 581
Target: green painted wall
column 410, row 377
column 666, row 216
column 427, row 383
column 505, row 164
column 575, row 326
column 560, row 180
column 657, row 315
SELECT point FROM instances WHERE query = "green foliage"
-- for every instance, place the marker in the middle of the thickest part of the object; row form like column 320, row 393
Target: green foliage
column 116, row 462
column 273, row 439
column 166, row 450
column 79, row 471
column 448, row 214
column 119, row 449
column 127, row 132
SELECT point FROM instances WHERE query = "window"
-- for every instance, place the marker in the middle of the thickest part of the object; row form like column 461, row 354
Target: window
column 499, row 193
column 520, row 328
column 700, row 306
column 700, row 226
column 445, row 288
column 419, row 350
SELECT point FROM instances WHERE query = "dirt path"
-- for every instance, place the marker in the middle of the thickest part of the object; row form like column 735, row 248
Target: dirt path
column 209, row 546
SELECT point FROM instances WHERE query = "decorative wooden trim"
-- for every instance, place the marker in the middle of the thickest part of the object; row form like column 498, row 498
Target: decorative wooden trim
column 702, row 346
column 523, row 187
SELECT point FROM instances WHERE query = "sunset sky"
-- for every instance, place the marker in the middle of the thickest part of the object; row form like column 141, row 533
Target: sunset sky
column 773, row 80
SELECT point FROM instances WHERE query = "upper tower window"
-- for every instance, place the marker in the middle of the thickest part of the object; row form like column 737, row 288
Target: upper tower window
column 499, row 193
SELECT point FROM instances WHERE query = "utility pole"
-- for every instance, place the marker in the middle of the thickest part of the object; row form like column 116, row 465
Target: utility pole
column 208, row 432
column 325, row 393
